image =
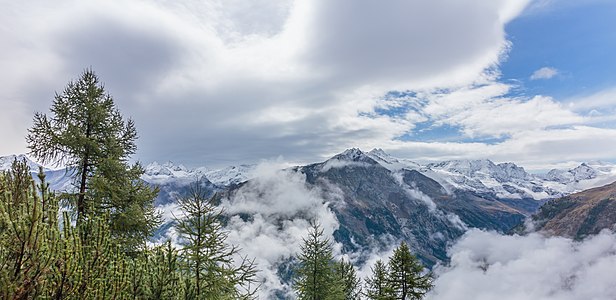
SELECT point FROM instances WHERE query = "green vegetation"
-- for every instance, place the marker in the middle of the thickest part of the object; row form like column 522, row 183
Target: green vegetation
column 87, row 133
column 209, row 260
column 316, row 276
column 320, row 277
column 401, row 278
column 97, row 248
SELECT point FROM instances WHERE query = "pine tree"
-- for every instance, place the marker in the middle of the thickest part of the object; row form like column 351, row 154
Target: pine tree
column 314, row 276
column 28, row 233
column 87, row 134
column 405, row 275
column 164, row 280
column 210, row 265
column 377, row 285
column 347, row 277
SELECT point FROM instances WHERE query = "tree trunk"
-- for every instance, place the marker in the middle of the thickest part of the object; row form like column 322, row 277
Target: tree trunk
column 81, row 207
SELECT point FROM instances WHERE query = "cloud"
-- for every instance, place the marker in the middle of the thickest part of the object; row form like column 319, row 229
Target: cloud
column 489, row 110
column 533, row 149
column 602, row 100
column 486, row 265
column 207, row 80
column 281, row 207
column 544, row 73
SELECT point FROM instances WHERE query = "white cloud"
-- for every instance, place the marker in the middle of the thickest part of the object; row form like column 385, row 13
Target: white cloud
column 227, row 82
column 544, row 73
column 602, row 100
column 208, row 80
column 534, row 149
column 486, row 265
column 281, row 206
column 487, row 110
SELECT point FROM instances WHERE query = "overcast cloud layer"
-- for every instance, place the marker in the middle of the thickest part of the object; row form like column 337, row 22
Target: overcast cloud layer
column 222, row 82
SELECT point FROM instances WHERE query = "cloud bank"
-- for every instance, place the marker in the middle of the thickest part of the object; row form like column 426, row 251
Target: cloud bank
column 486, row 265
column 227, row 82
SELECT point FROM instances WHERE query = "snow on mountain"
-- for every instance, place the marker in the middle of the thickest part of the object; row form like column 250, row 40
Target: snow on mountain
column 585, row 176
column 503, row 180
column 390, row 162
column 230, row 175
column 160, row 174
column 7, row 161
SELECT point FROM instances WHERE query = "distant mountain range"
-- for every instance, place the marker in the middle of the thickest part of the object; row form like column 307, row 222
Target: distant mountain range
column 384, row 198
column 377, row 200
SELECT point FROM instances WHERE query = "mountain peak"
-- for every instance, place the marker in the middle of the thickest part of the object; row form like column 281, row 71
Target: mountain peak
column 378, row 152
column 352, row 154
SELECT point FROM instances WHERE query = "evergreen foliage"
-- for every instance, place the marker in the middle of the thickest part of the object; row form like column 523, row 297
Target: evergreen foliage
column 27, row 234
column 87, row 133
column 377, row 285
column 40, row 258
column 210, row 268
column 315, row 277
column 405, row 275
column 101, row 254
column 350, row 283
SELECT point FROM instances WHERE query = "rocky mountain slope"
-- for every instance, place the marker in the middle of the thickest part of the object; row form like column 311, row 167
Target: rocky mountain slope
column 383, row 197
column 578, row 215
column 407, row 204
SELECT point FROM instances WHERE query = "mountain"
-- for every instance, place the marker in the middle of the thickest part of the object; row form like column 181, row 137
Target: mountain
column 579, row 215
column 378, row 203
column 370, row 201
column 7, row 161
column 380, row 199
column 384, row 198
column 156, row 173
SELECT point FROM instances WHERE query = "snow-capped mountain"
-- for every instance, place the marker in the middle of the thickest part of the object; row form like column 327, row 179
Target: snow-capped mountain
column 503, row 180
column 159, row 174
column 230, row 175
column 391, row 162
column 155, row 173
column 507, row 180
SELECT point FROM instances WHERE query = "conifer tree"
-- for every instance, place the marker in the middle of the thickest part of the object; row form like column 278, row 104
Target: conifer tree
column 210, row 263
column 347, row 278
column 377, row 285
column 164, row 280
column 28, row 233
column 405, row 275
column 86, row 133
column 314, row 276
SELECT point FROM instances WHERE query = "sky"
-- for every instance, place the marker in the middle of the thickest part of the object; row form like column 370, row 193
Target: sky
column 221, row 82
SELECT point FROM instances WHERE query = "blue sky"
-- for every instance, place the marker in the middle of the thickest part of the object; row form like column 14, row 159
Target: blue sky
column 577, row 39
column 221, row 82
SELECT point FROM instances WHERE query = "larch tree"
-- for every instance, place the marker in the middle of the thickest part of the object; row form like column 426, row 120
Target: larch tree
column 211, row 269
column 347, row 277
column 314, row 276
column 377, row 286
column 405, row 275
column 86, row 133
